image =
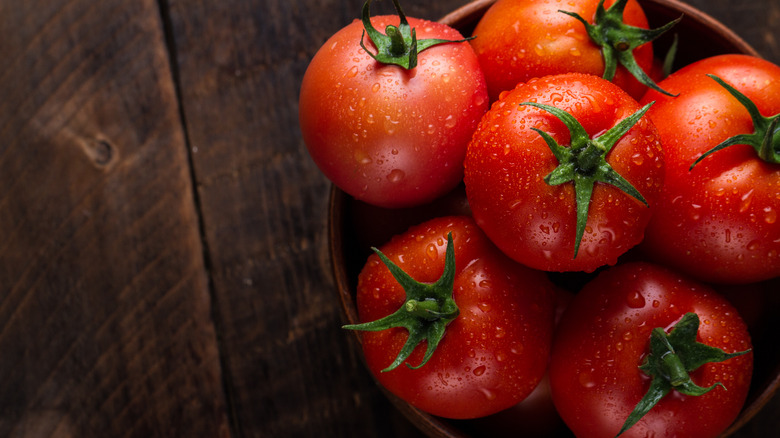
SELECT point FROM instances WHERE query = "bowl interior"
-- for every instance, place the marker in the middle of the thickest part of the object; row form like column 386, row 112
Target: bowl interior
column 355, row 226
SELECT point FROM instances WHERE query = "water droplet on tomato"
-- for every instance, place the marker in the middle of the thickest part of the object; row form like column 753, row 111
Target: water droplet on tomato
column 485, row 307
column 635, row 300
column 770, row 215
column 396, row 176
column 586, row 379
column 516, row 348
column 490, row 395
column 431, row 251
column 480, row 370
column 362, row 157
column 450, row 122
column 747, row 199
column 352, row 72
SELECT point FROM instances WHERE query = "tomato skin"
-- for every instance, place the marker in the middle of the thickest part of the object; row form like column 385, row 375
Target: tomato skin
column 533, row 222
column 517, row 40
column 718, row 222
column 603, row 337
column 388, row 136
column 493, row 354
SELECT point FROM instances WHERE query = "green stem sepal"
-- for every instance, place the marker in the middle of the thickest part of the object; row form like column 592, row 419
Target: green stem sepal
column 765, row 138
column 672, row 357
column 584, row 161
column 399, row 44
column 428, row 309
column 618, row 40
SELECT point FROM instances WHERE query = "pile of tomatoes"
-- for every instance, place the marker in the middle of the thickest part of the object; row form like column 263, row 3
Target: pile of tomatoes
column 581, row 157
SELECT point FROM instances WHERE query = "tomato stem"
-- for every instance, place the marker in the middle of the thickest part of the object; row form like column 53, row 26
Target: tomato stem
column 618, row 40
column 425, row 314
column 584, row 162
column 672, row 358
column 399, row 44
column 765, row 138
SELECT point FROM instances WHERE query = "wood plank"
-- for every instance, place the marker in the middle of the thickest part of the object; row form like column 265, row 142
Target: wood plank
column 105, row 316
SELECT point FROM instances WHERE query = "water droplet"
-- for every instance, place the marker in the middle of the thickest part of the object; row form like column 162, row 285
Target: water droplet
column 516, row 348
column 485, row 307
column 450, row 122
column 480, row 370
column 635, row 300
column 490, row 395
column 396, row 176
column 431, row 252
column 586, row 380
column 747, row 199
column 656, row 303
column 770, row 215
column 375, row 88
column 500, row 332
column 362, row 157
column 638, row 159
column 627, row 336
column 352, row 72
column 390, row 125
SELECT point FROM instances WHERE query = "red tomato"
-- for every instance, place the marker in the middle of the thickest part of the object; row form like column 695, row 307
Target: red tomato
column 493, row 353
column 536, row 223
column 386, row 135
column 517, row 40
column 718, row 221
column 603, row 338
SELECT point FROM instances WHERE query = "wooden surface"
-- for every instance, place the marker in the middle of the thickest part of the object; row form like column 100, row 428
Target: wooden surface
column 163, row 251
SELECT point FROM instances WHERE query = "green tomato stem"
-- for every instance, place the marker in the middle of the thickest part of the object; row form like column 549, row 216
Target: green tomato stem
column 425, row 314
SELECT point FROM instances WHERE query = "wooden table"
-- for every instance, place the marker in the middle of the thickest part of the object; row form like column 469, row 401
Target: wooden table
column 163, row 251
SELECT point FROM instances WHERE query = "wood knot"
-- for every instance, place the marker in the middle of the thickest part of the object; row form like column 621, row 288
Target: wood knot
column 100, row 152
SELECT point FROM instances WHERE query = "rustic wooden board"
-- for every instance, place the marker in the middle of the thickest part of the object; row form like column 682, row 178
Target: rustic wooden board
column 105, row 315
column 163, row 251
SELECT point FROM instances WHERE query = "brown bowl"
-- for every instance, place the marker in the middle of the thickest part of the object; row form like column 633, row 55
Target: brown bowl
column 355, row 226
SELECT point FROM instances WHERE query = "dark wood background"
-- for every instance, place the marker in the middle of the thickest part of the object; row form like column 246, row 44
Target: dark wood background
column 163, row 249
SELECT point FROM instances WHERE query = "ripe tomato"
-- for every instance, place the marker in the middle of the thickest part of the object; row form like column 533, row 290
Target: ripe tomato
column 719, row 220
column 604, row 337
column 387, row 135
column 539, row 224
column 517, row 40
column 492, row 355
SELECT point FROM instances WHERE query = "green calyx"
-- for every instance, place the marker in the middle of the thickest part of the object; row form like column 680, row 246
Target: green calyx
column 672, row 357
column 399, row 44
column 429, row 307
column 618, row 40
column 584, row 161
column 765, row 138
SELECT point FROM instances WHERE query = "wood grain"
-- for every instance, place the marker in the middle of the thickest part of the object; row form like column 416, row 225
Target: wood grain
column 105, row 317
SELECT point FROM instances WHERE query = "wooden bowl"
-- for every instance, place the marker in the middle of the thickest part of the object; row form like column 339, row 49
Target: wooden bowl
column 355, row 226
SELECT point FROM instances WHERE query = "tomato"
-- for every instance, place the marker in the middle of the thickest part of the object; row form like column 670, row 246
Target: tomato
column 719, row 220
column 605, row 336
column 517, row 40
column 385, row 134
column 492, row 354
column 541, row 225
column 535, row 415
